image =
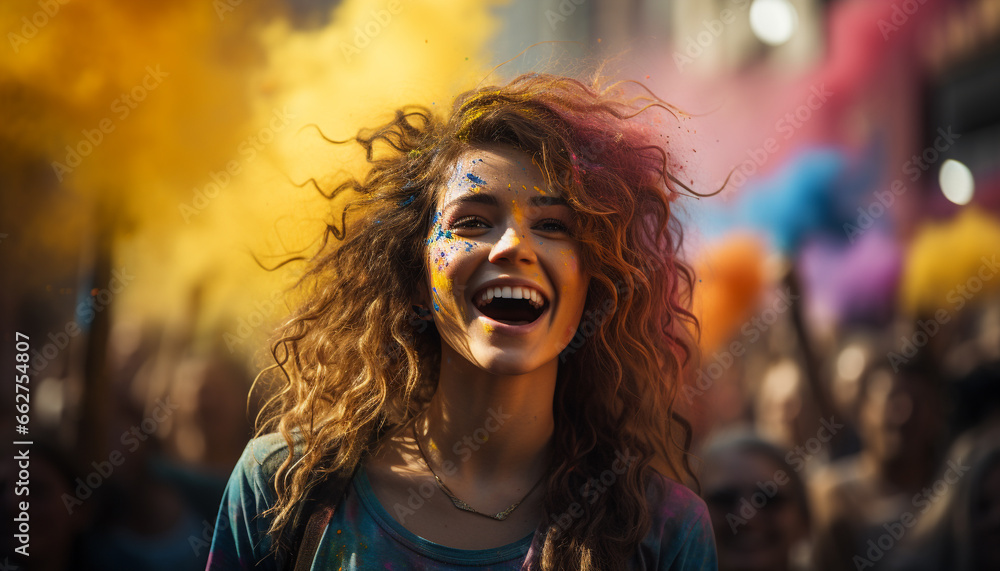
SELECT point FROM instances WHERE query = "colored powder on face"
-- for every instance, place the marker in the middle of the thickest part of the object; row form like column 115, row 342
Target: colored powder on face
column 442, row 285
column 541, row 191
column 516, row 210
column 570, row 259
column 437, row 232
column 488, row 327
column 475, row 179
column 442, row 247
column 440, row 234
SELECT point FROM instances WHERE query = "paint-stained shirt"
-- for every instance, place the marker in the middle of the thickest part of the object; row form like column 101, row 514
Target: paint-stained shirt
column 362, row 535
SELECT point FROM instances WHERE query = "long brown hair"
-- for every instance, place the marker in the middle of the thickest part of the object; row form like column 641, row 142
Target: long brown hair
column 355, row 366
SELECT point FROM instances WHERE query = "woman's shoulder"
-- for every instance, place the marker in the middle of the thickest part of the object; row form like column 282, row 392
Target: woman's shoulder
column 252, row 480
column 672, row 500
column 241, row 536
column 680, row 535
column 264, row 454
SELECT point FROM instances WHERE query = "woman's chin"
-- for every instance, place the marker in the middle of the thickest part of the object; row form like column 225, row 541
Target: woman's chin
column 507, row 361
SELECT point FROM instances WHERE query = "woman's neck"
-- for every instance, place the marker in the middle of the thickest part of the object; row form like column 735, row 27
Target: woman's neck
column 488, row 428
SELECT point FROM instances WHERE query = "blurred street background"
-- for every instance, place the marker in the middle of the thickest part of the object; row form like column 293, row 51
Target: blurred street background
column 846, row 403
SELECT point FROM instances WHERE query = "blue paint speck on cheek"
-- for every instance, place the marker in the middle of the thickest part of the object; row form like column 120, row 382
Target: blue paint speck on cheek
column 438, row 233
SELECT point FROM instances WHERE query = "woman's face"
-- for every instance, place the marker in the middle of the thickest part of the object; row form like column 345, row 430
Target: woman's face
column 505, row 281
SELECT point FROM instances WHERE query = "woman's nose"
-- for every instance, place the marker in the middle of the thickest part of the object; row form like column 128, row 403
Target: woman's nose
column 514, row 246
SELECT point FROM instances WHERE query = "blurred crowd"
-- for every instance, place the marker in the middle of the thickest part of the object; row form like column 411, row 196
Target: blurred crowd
column 858, row 451
column 140, row 487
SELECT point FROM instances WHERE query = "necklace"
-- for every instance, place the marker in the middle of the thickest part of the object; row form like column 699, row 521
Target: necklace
column 460, row 504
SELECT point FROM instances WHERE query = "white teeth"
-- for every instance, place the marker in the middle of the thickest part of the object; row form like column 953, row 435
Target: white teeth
column 512, row 292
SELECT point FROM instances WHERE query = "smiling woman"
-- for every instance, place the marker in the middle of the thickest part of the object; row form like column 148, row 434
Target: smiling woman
column 504, row 265
column 430, row 415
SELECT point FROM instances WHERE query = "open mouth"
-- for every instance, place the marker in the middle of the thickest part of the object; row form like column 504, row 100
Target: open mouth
column 511, row 305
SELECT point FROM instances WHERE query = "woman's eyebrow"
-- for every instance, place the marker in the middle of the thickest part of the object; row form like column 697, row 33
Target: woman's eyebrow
column 491, row 200
column 478, row 197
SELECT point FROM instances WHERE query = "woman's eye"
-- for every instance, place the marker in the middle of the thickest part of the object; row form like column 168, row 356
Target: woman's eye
column 552, row 225
column 470, row 222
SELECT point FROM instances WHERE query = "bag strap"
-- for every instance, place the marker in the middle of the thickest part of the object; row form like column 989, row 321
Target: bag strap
column 319, row 507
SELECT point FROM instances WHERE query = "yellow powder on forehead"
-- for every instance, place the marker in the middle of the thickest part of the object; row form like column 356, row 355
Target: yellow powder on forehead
column 540, row 190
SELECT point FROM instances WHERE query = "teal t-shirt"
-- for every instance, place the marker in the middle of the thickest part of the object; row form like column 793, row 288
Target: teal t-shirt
column 362, row 535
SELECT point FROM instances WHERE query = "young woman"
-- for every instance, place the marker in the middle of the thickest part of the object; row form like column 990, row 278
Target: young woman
column 483, row 371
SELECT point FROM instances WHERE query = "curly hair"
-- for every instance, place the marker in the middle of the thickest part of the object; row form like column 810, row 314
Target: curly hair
column 356, row 367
